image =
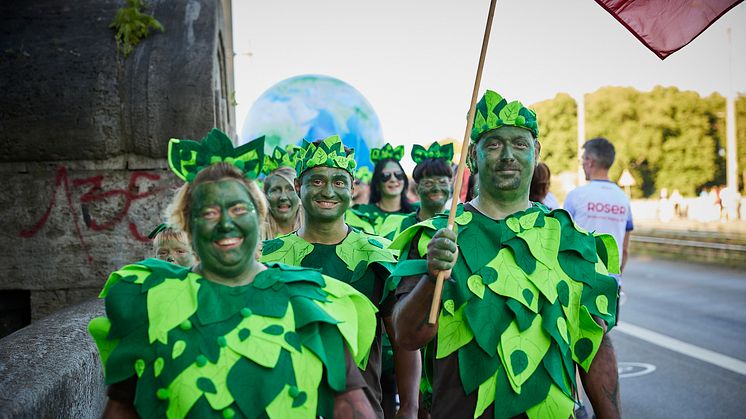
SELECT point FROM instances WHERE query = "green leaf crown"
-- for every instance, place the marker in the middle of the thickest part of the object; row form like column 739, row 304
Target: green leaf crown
column 435, row 151
column 386, row 152
column 186, row 157
column 493, row 111
column 364, row 174
column 329, row 153
column 158, row 229
column 280, row 157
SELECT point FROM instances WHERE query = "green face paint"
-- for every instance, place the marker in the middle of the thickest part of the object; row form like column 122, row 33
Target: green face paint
column 225, row 228
column 174, row 251
column 394, row 185
column 434, row 191
column 283, row 200
column 326, row 193
column 505, row 159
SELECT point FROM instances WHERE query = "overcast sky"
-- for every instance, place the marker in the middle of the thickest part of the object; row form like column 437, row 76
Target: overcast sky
column 415, row 61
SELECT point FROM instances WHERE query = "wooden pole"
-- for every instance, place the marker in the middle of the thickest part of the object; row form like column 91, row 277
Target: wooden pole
column 435, row 306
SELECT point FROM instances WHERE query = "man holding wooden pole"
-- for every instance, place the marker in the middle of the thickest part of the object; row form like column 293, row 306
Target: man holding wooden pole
column 527, row 295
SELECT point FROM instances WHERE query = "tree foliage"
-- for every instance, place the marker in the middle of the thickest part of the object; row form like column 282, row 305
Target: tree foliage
column 558, row 132
column 667, row 138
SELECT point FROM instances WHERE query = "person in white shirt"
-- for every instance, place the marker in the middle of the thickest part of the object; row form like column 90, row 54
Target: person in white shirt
column 601, row 205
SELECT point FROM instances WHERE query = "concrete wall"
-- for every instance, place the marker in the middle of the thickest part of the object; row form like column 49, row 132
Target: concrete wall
column 83, row 134
column 51, row 369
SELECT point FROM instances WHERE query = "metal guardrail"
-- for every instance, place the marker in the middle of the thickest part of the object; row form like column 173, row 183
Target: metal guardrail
column 689, row 243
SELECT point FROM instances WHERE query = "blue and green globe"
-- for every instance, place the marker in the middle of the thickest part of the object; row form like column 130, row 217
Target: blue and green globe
column 313, row 107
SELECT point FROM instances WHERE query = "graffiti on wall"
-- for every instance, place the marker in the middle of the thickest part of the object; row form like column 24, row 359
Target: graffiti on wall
column 93, row 192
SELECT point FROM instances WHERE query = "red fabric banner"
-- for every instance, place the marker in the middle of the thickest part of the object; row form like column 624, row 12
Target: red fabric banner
column 665, row 26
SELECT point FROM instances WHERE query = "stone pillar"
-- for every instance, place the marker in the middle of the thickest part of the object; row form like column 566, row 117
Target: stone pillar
column 83, row 133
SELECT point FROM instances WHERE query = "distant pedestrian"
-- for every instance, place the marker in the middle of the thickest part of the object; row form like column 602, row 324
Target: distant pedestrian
column 601, row 206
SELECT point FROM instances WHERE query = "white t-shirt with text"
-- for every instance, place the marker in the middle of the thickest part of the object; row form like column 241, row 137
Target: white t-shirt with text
column 602, row 207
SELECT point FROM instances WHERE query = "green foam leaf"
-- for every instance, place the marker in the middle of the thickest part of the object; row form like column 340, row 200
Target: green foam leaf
column 453, row 333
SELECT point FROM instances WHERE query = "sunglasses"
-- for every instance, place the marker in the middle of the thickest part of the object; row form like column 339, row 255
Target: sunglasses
column 386, row 176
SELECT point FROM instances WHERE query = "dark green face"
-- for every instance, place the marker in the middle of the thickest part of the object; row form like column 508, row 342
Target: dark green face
column 283, row 200
column 505, row 159
column 326, row 193
column 434, row 191
column 225, row 228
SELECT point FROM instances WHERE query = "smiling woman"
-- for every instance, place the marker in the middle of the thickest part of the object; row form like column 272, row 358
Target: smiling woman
column 285, row 212
column 230, row 337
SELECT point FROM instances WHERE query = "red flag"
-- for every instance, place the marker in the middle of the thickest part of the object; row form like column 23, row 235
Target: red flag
column 665, row 26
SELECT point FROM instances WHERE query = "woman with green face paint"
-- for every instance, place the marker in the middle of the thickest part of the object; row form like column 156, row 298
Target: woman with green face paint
column 230, row 337
column 285, row 211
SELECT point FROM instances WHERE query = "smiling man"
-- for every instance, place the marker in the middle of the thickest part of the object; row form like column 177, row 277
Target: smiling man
column 326, row 242
column 527, row 296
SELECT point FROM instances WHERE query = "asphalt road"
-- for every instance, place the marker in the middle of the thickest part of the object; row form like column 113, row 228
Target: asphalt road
column 681, row 342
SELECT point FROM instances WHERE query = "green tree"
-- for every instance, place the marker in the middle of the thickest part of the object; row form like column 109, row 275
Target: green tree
column 690, row 147
column 558, row 132
column 741, row 138
column 620, row 115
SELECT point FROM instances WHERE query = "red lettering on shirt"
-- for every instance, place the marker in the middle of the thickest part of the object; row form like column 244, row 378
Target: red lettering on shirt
column 606, row 208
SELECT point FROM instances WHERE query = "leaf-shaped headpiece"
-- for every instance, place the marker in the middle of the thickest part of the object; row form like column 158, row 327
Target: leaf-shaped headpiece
column 386, row 152
column 186, row 157
column 158, row 229
column 329, row 153
column 364, row 175
column 493, row 111
column 435, row 151
column 280, row 157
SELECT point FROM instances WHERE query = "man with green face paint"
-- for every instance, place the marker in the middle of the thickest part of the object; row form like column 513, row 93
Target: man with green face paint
column 528, row 296
column 326, row 242
column 230, row 337
column 433, row 181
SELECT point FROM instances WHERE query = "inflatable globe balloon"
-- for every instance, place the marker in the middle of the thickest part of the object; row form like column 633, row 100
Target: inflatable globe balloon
column 313, row 107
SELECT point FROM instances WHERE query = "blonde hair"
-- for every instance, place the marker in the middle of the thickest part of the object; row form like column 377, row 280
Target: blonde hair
column 181, row 206
column 170, row 233
column 271, row 228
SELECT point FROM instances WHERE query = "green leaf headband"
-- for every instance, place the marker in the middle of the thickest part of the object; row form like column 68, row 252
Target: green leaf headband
column 158, row 229
column 386, row 152
column 493, row 111
column 329, row 153
column 435, row 151
column 286, row 157
column 364, row 175
column 186, row 157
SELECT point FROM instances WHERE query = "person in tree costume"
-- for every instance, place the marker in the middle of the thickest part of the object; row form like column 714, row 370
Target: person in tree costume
column 361, row 188
column 388, row 195
column 324, row 184
column 230, row 338
column 172, row 245
column 528, row 294
column 285, row 212
column 433, row 180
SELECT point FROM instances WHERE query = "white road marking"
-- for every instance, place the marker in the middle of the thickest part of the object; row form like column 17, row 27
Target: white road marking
column 706, row 355
column 634, row 369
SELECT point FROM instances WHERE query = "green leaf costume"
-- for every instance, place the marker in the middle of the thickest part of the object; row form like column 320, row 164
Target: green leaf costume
column 360, row 260
column 517, row 312
column 271, row 348
column 373, row 220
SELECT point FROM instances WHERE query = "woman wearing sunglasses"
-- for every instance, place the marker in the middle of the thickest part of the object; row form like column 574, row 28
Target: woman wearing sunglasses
column 388, row 204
